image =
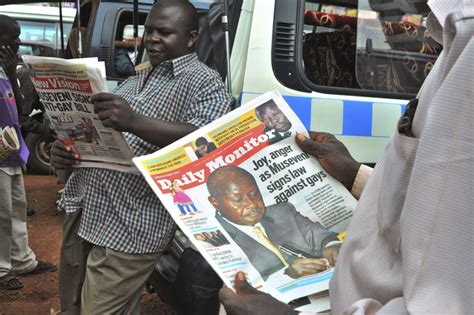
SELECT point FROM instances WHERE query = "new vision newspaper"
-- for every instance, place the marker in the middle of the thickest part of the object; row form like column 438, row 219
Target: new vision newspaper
column 251, row 200
column 65, row 88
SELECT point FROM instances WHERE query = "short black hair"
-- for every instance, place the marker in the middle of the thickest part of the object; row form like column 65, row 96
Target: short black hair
column 216, row 181
column 201, row 141
column 190, row 13
column 6, row 22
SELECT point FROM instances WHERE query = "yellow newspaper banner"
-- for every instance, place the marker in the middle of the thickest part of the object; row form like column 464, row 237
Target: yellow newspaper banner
column 234, row 128
column 168, row 162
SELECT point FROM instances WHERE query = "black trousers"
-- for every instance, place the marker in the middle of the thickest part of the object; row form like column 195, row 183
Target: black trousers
column 197, row 285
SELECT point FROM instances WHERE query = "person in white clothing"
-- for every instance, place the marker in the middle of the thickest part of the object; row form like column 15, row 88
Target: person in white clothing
column 412, row 232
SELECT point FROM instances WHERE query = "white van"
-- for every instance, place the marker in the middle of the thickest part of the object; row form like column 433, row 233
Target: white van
column 40, row 27
column 345, row 67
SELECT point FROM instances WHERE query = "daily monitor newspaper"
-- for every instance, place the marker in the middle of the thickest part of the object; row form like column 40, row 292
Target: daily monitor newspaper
column 65, row 88
column 251, row 200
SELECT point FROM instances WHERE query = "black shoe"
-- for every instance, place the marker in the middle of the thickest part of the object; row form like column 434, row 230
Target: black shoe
column 42, row 267
column 10, row 283
column 30, row 211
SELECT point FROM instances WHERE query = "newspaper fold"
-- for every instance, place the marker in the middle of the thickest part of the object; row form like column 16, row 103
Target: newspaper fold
column 250, row 199
column 65, row 88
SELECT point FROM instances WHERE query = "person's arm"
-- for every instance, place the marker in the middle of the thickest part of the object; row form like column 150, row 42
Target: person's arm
column 336, row 160
column 9, row 61
column 360, row 180
column 323, row 242
column 332, row 155
column 212, row 102
column 62, row 158
column 248, row 300
column 30, row 101
column 115, row 112
column 123, row 63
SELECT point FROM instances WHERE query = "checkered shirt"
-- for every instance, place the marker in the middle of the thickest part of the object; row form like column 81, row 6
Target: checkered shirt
column 119, row 210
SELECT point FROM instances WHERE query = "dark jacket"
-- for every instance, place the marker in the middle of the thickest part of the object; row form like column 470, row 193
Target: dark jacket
column 284, row 226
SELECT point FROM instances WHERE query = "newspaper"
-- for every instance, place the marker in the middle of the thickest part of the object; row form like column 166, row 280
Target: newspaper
column 251, row 200
column 65, row 88
column 9, row 142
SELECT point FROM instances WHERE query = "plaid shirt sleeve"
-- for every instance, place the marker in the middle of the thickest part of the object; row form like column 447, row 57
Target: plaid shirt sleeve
column 211, row 102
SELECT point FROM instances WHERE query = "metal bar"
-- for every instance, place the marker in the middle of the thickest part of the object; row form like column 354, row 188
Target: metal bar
column 78, row 25
column 135, row 29
column 61, row 27
column 225, row 27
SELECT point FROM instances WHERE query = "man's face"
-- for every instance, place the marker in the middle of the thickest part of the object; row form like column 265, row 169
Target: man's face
column 166, row 35
column 240, row 201
column 202, row 149
column 273, row 118
column 11, row 37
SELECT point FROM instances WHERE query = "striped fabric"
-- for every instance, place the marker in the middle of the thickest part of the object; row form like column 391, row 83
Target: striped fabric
column 120, row 211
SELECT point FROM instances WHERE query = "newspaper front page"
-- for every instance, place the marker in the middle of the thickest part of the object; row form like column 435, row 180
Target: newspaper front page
column 65, row 88
column 251, row 200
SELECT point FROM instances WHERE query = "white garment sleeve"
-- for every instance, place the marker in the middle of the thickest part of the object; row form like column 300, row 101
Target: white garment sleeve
column 360, row 180
column 409, row 244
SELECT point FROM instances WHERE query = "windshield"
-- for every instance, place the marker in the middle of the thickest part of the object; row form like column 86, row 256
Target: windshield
column 40, row 26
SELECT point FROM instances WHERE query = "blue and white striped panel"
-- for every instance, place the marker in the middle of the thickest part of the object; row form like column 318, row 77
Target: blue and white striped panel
column 346, row 117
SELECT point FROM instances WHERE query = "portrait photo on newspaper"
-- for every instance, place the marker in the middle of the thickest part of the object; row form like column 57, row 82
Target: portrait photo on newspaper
column 251, row 200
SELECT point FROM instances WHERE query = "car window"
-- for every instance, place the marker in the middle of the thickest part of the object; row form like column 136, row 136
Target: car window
column 202, row 4
column 40, row 26
column 394, row 51
column 43, row 33
column 124, row 45
column 329, row 44
column 368, row 45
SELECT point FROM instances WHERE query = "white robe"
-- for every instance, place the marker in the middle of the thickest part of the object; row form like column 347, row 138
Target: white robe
column 410, row 244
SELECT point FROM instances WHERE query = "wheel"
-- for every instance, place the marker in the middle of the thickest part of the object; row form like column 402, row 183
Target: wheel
column 39, row 146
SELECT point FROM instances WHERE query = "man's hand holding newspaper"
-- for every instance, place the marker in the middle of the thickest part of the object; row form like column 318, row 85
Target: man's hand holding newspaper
column 248, row 300
column 114, row 111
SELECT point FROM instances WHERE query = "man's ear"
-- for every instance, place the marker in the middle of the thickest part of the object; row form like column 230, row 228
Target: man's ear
column 193, row 36
column 213, row 201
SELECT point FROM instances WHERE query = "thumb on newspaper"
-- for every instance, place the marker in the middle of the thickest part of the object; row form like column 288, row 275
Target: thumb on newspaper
column 316, row 144
column 242, row 287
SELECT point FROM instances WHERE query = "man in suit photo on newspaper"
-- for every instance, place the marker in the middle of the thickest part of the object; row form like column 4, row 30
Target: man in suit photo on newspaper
column 277, row 239
column 274, row 119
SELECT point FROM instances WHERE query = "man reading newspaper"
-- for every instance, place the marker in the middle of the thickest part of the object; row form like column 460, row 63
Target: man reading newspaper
column 124, row 228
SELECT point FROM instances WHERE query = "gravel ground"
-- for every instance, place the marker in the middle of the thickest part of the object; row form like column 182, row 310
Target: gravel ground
column 40, row 294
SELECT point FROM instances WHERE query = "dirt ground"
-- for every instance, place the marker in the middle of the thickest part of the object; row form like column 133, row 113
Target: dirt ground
column 40, row 294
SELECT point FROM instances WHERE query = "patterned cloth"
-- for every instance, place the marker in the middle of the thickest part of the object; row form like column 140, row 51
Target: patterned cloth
column 120, row 211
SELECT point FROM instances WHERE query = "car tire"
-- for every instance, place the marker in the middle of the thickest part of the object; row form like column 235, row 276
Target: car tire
column 38, row 144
